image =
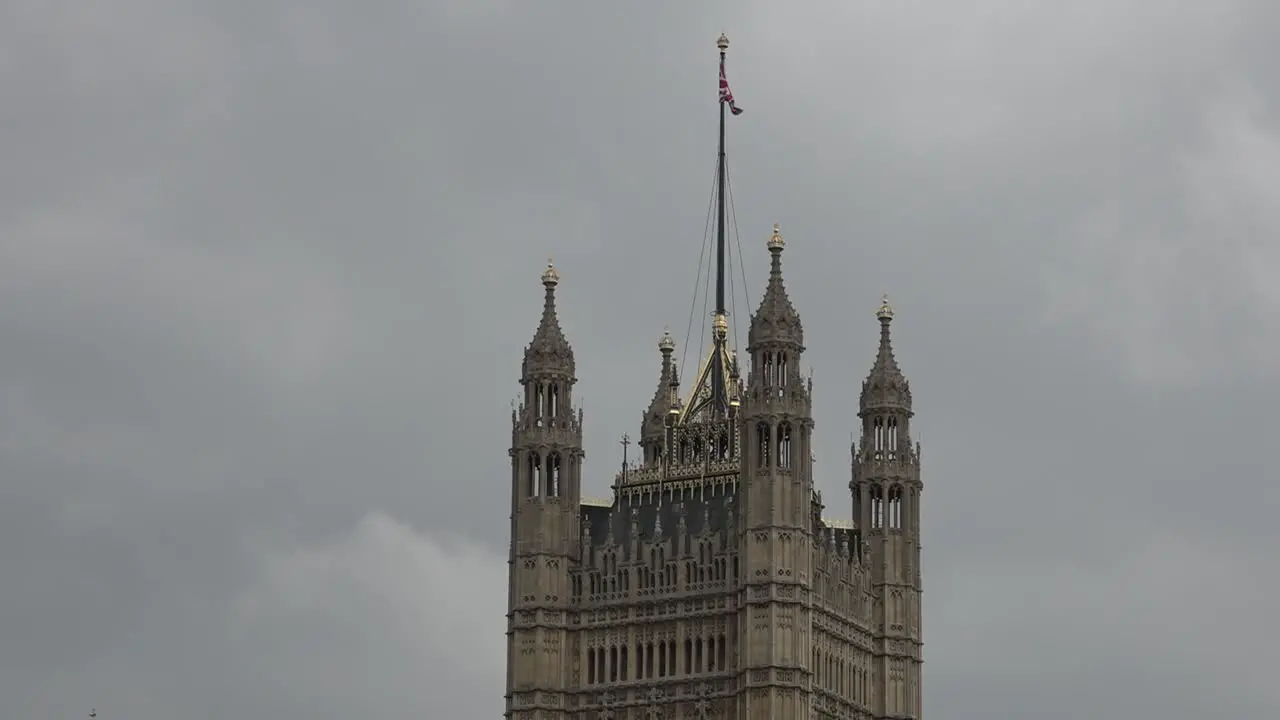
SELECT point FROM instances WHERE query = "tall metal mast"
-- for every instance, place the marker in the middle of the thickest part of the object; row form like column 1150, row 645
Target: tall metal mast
column 720, row 327
column 711, row 390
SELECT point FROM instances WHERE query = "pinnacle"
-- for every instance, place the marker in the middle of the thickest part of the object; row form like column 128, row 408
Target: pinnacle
column 776, row 319
column 661, row 402
column 549, row 350
column 885, row 384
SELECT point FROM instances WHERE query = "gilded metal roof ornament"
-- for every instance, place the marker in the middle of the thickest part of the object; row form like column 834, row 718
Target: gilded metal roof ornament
column 550, row 276
column 666, row 344
column 885, row 311
column 775, row 240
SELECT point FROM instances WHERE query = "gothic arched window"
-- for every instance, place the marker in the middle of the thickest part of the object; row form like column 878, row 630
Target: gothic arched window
column 535, row 475
column 895, row 507
column 553, row 475
column 877, row 506
column 762, row 444
column 784, row 446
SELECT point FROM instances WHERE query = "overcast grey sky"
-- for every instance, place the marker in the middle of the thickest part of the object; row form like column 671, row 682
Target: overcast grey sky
column 267, row 269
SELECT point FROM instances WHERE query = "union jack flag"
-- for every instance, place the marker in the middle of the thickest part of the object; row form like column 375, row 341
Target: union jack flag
column 726, row 95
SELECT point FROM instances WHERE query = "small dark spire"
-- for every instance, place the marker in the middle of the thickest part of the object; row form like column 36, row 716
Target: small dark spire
column 549, row 351
column 776, row 320
column 654, row 417
column 885, row 385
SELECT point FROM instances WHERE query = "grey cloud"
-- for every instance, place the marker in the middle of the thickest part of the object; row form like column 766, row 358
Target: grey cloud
column 267, row 269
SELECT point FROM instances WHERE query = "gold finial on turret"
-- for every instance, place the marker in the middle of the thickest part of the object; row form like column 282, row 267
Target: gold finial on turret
column 723, row 42
column 775, row 240
column 550, row 276
column 885, row 311
column 666, row 344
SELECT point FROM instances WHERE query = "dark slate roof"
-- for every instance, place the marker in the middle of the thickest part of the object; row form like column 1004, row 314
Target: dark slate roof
column 711, row 508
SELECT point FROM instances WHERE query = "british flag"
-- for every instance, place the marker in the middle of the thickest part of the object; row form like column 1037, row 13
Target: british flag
column 726, row 95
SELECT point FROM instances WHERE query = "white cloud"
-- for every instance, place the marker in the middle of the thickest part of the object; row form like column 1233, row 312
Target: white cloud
column 388, row 605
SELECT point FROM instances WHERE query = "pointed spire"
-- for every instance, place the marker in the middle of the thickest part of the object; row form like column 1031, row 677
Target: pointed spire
column 661, row 403
column 549, row 351
column 885, row 385
column 776, row 320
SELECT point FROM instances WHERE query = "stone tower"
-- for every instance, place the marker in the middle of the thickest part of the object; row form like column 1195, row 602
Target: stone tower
column 709, row 585
column 546, row 495
column 776, row 488
column 886, row 491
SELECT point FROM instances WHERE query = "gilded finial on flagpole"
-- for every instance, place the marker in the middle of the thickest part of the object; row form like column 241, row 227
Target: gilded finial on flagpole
column 723, row 42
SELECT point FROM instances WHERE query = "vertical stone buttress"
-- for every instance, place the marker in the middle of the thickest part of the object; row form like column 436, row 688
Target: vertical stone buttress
column 886, row 507
column 546, row 489
column 775, row 527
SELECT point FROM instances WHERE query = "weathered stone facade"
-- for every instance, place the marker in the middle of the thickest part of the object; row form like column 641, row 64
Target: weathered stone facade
column 711, row 585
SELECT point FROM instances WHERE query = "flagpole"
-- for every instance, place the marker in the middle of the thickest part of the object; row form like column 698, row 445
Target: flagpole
column 718, row 394
column 723, row 44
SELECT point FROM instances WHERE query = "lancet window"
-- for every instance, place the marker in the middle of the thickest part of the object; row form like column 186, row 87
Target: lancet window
column 784, row 446
column 894, row 507
column 877, row 506
column 553, row 475
column 774, row 369
column 534, row 474
column 763, row 441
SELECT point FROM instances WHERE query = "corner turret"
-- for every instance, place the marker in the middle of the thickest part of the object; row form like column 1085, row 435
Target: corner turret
column 886, row 491
column 546, row 491
column 776, row 490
